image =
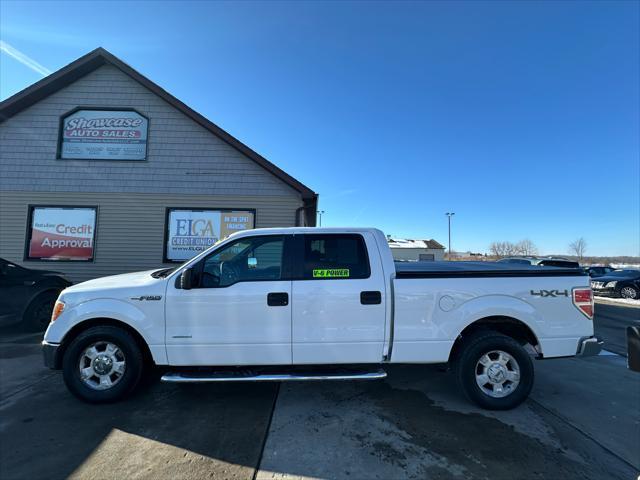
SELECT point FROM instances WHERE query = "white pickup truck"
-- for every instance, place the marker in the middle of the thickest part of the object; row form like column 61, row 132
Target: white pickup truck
column 319, row 304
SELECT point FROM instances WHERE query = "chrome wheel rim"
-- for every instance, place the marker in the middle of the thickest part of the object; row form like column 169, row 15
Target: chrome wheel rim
column 102, row 365
column 628, row 292
column 497, row 374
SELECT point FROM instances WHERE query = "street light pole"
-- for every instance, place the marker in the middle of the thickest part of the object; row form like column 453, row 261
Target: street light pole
column 449, row 215
column 320, row 212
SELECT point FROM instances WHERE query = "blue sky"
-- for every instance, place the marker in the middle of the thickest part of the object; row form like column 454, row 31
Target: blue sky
column 523, row 118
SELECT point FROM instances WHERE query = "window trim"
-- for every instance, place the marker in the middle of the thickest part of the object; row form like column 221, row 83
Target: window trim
column 298, row 267
column 285, row 269
column 29, row 233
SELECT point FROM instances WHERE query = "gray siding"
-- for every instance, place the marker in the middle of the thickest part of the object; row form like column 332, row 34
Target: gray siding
column 186, row 166
column 130, row 227
column 183, row 157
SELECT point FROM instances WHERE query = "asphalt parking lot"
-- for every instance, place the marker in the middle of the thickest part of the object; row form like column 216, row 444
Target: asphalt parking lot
column 581, row 422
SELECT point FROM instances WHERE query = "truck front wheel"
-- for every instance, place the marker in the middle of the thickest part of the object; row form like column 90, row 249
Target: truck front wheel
column 102, row 364
column 494, row 370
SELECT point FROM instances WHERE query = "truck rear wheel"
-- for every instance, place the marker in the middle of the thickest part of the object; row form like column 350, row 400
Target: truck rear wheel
column 102, row 364
column 494, row 370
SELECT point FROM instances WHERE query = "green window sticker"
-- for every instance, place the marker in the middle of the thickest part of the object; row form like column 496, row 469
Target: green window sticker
column 331, row 273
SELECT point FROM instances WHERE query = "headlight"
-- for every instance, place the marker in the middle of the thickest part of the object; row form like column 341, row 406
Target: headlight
column 611, row 284
column 57, row 310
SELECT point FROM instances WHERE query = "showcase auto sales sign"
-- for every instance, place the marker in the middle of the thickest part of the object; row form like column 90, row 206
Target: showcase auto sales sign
column 104, row 135
column 62, row 233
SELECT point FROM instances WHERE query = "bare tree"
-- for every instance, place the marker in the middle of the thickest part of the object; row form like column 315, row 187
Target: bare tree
column 579, row 247
column 497, row 249
column 508, row 249
column 503, row 249
column 526, row 247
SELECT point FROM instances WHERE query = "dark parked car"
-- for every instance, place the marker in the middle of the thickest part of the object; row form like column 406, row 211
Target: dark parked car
column 542, row 261
column 27, row 295
column 620, row 283
column 598, row 271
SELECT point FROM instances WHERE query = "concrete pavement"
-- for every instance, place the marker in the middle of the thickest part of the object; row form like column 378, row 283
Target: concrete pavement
column 582, row 422
column 164, row 431
column 610, row 323
column 417, row 425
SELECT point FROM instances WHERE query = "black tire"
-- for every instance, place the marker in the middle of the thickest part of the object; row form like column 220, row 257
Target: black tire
column 466, row 365
column 37, row 316
column 134, row 364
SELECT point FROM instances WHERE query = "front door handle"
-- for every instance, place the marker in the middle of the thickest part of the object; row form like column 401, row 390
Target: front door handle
column 370, row 298
column 278, row 299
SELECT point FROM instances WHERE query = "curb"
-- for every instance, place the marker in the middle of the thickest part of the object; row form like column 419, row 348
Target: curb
column 612, row 301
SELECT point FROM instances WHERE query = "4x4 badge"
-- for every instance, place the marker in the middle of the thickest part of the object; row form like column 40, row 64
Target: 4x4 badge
column 550, row 293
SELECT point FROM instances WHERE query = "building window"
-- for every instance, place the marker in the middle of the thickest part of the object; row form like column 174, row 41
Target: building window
column 62, row 233
column 335, row 256
column 191, row 231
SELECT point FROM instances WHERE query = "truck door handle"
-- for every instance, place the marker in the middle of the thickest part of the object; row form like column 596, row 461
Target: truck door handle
column 370, row 298
column 278, row 299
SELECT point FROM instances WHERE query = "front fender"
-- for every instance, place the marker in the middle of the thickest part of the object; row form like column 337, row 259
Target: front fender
column 150, row 327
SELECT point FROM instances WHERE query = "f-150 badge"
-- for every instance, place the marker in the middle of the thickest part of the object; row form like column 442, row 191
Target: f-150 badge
column 147, row 297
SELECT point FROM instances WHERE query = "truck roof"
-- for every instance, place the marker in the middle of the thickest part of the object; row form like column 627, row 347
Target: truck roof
column 293, row 230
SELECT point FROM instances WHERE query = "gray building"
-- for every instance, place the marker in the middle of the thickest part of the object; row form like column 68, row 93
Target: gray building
column 408, row 250
column 103, row 172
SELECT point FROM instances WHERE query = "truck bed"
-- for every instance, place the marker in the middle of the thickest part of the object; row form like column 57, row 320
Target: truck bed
column 480, row 269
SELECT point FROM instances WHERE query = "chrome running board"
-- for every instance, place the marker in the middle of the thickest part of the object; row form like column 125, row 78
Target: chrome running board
column 195, row 377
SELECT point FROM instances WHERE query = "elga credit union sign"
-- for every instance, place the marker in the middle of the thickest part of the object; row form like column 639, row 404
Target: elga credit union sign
column 104, row 135
column 62, row 233
column 192, row 231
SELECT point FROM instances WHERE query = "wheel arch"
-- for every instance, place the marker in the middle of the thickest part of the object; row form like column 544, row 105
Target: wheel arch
column 509, row 326
column 100, row 322
column 40, row 292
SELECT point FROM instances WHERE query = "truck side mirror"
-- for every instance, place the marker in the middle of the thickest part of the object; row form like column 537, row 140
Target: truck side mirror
column 185, row 279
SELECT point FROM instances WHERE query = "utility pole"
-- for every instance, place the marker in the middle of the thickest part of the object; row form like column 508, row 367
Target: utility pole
column 320, row 212
column 449, row 215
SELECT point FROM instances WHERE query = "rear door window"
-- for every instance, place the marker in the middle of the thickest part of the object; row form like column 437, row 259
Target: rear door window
column 334, row 257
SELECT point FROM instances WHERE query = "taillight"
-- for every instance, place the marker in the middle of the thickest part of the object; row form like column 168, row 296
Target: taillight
column 583, row 300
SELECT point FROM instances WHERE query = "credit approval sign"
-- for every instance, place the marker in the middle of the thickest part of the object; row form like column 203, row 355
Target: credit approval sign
column 192, row 231
column 61, row 233
column 104, row 135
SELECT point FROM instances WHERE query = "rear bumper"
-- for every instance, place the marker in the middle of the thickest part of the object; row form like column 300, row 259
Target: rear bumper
column 50, row 354
column 589, row 346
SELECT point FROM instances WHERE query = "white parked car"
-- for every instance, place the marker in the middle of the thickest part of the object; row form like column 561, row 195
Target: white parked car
column 319, row 303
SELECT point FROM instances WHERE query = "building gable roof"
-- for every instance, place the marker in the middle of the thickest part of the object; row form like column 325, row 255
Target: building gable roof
column 99, row 57
column 410, row 243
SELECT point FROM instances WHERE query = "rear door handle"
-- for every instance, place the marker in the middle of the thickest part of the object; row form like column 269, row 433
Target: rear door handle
column 278, row 299
column 370, row 298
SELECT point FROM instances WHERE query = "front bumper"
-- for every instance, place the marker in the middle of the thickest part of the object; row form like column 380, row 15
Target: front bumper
column 605, row 292
column 589, row 346
column 50, row 354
